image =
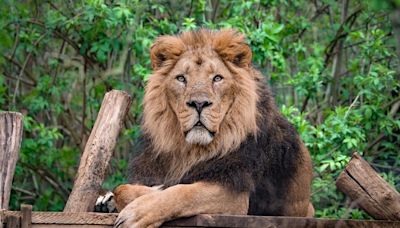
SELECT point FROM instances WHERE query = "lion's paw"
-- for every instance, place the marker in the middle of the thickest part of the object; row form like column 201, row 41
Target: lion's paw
column 105, row 203
column 138, row 214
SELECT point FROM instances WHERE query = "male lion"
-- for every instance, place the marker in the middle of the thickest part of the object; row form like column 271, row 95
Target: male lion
column 213, row 140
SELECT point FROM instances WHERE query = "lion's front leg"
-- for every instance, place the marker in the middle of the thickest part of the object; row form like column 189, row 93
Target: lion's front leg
column 126, row 193
column 151, row 210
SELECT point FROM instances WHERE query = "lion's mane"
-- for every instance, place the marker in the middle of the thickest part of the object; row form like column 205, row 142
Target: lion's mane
column 160, row 122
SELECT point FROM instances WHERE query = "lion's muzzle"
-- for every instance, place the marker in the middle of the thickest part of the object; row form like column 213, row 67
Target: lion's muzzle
column 199, row 133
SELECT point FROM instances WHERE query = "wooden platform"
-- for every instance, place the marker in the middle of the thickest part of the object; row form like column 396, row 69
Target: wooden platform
column 27, row 219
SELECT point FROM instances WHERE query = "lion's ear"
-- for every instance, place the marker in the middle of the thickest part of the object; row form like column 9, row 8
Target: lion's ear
column 165, row 50
column 231, row 46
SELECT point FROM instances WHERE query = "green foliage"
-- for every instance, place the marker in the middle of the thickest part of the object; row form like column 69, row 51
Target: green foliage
column 58, row 58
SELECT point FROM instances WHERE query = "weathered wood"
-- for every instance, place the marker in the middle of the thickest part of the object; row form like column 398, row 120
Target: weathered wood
column 98, row 151
column 84, row 226
column 371, row 192
column 12, row 221
column 10, row 140
column 68, row 226
column 101, row 220
column 273, row 221
column 88, row 218
column 26, row 220
column 2, row 218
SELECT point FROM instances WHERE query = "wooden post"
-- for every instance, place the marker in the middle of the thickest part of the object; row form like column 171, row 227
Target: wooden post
column 2, row 218
column 98, row 151
column 371, row 192
column 13, row 221
column 10, row 140
column 26, row 220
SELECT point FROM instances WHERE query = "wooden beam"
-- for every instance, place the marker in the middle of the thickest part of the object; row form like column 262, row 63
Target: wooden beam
column 98, row 151
column 370, row 191
column 273, row 221
column 83, row 218
column 92, row 220
column 11, row 127
column 26, row 220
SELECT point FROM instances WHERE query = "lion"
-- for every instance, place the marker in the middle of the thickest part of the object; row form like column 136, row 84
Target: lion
column 213, row 139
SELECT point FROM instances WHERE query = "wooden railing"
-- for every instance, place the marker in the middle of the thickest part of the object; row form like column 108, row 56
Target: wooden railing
column 25, row 219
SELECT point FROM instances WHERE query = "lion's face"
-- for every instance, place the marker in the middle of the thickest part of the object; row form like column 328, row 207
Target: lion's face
column 200, row 91
column 201, row 99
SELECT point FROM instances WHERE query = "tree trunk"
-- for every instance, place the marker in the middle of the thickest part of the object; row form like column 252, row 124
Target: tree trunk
column 98, row 151
column 395, row 18
column 338, row 63
column 371, row 192
column 10, row 140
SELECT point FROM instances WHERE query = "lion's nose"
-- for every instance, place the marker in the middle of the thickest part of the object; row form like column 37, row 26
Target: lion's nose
column 198, row 105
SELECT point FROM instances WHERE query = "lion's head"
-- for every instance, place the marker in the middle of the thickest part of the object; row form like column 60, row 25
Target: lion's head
column 201, row 99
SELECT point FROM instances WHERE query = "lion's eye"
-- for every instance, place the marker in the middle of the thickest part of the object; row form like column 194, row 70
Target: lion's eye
column 217, row 78
column 181, row 78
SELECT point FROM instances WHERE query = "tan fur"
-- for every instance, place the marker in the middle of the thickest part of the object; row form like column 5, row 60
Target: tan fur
column 232, row 119
column 299, row 190
column 182, row 201
column 126, row 193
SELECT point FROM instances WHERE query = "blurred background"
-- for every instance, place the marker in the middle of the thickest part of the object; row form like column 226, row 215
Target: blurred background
column 332, row 65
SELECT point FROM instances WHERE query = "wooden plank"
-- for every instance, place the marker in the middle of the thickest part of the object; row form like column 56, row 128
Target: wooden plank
column 98, row 151
column 60, row 219
column 274, row 221
column 45, row 225
column 370, row 191
column 10, row 140
column 89, row 218
column 68, row 226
